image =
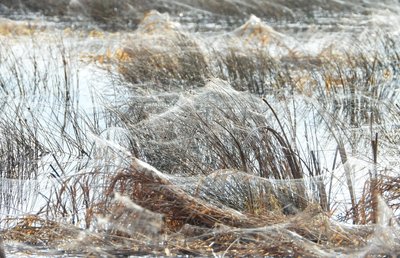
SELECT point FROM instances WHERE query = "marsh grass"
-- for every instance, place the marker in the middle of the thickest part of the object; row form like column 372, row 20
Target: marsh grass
column 112, row 14
column 44, row 134
column 204, row 165
column 351, row 90
column 220, row 131
column 165, row 69
column 250, row 163
column 253, row 70
column 190, row 225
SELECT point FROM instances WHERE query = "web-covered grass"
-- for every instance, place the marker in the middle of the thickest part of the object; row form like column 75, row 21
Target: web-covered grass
column 246, row 142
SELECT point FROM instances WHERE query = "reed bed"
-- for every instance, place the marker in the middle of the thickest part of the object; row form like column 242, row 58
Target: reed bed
column 241, row 144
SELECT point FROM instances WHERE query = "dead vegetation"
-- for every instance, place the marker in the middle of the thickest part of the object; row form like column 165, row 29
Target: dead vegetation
column 169, row 221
